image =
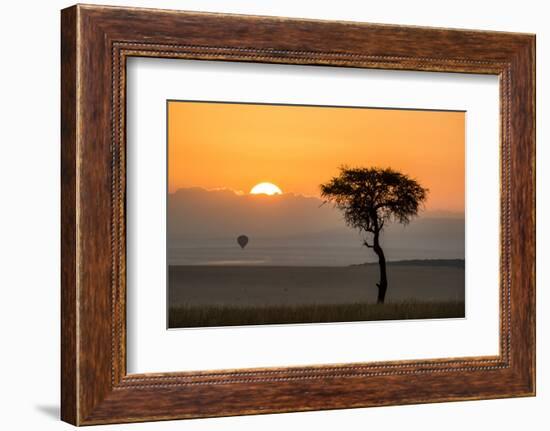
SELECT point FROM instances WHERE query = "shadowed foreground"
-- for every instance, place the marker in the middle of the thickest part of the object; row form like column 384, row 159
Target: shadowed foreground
column 193, row 316
column 227, row 295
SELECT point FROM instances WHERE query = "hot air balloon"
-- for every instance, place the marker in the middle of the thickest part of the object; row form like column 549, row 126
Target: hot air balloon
column 242, row 240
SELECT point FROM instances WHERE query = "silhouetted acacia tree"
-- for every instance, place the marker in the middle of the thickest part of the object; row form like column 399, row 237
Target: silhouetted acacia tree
column 370, row 197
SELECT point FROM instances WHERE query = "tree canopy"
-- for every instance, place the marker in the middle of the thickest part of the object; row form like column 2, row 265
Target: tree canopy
column 369, row 197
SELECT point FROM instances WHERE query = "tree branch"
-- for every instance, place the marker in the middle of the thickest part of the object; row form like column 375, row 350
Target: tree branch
column 367, row 244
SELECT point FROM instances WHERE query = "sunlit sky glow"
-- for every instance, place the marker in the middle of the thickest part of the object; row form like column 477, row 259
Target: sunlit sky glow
column 237, row 146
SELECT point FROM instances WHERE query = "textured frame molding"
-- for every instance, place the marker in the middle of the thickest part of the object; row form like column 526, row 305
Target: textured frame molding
column 96, row 41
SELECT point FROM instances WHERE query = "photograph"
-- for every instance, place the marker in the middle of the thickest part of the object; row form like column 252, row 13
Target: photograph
column 285, row 214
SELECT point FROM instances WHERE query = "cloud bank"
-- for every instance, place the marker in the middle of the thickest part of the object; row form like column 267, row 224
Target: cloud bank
column 196, row 213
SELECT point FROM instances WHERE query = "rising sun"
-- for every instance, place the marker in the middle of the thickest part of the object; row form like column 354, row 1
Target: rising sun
column 266, row 189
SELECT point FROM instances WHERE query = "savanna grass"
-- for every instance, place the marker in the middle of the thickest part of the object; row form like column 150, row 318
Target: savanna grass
column 231, row 315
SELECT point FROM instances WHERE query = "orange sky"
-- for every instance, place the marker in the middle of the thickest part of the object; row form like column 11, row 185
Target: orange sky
column 235, row 146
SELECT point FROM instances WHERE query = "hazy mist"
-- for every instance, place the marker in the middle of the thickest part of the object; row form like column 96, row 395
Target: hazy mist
column 291, row 229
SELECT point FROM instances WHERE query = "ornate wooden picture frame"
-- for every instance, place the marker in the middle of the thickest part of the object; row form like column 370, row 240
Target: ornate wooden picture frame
column 96, row 41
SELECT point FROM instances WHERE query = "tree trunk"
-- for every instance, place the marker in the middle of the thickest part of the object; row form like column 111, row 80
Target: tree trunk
column 383, row 285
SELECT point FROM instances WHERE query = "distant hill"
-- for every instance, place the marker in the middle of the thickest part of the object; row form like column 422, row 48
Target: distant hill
column 455, row 263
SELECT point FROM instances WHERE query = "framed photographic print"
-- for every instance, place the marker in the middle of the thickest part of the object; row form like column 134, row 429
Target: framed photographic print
column 268, row 215
column 244, row 251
